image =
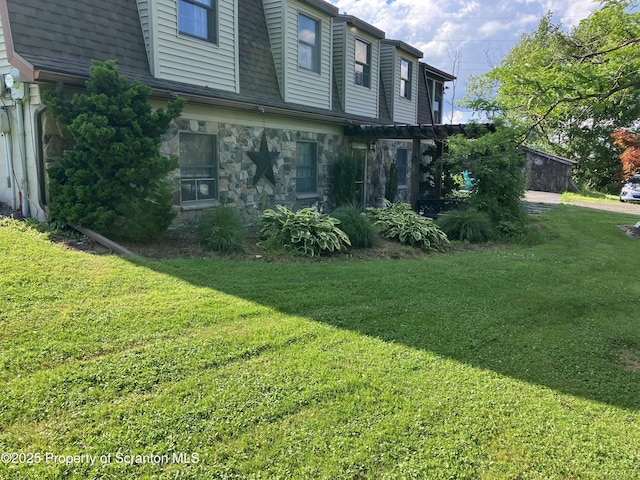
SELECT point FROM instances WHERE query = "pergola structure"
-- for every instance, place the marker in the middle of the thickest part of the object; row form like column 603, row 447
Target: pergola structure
column 416, row 133
column 422, row 131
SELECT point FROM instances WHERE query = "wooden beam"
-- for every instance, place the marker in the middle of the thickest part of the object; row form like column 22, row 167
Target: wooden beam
column 102, row 240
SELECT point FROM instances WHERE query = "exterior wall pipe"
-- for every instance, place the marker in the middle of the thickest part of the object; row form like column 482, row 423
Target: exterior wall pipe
column 5, row 129
column 22, row 145
column 7, row 150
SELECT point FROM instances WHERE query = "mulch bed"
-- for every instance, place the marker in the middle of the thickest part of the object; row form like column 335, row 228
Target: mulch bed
column 181, row 242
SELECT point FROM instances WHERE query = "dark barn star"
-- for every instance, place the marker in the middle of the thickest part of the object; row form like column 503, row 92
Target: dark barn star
column 264, row 161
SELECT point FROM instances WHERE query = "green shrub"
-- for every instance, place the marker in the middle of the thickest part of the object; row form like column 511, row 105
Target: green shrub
column 114, row 180
column 344, row 181
column 305, row 232
column 399, row 222
column 391, row 187
column 356, row 225
column 222, row 230
column 467, row 225
column 497, row 166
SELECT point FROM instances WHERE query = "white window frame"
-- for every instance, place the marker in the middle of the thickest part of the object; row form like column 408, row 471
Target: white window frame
column 406, row 82
column 197, row 186
column 313, row 46
column 365, row 75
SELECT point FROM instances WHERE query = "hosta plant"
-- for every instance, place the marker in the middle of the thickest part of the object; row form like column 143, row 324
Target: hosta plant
column 305, row 232
column 398, row 221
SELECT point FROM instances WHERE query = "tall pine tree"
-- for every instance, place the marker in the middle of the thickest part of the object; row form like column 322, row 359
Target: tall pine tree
column 114, row 180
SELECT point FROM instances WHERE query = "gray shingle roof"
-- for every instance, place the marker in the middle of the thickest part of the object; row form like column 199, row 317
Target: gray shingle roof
column 63, row 36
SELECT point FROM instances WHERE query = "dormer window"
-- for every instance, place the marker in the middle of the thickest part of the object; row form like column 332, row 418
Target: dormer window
column 308, row 43
column 405, row 79
column 197, row 18
column 363, row 63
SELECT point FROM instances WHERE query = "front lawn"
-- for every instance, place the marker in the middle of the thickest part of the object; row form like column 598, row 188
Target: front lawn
column 507, row 362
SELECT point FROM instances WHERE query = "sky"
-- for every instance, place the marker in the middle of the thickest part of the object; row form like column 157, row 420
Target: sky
column 463, row 37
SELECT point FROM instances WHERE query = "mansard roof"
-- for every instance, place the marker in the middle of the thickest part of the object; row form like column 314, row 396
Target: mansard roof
column 57, row 40
column 405, row 47
column 361, row 25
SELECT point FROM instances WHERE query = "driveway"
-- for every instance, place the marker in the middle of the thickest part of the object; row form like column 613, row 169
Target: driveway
column 555, row 199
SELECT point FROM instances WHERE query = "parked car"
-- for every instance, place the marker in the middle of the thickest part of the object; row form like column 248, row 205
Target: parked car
column 631, row 190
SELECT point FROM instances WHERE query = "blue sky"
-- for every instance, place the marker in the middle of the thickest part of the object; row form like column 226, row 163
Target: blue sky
column 475, row 34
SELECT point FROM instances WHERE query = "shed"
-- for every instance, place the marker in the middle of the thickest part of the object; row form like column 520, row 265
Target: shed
column 547, row 172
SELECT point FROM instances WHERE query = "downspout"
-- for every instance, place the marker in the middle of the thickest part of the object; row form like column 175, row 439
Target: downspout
column 41, row 170
column 5, row 128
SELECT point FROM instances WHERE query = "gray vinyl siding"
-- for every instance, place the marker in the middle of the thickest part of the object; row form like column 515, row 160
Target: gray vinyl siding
column 273, row 11
column 339, row 58
column 402, row 110
column 406, row 109
column 192, row 61
column 361, row 100
column 298, row 85
column 302, row 86
column 387, row 60
column 4, row 60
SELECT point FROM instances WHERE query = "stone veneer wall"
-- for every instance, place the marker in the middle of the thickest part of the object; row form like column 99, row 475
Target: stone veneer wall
column 380, row 159
column 236, row 169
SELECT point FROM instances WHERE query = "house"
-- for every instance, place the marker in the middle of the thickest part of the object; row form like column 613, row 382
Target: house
column 293, row 78
column 547, row 172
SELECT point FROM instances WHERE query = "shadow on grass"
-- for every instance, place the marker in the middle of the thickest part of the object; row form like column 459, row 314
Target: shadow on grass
column 537, row 315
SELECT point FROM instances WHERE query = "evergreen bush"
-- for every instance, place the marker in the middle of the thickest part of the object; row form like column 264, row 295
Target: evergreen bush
column 344, row 181
column 114, row 180
column 222, row 230
column 391, row 187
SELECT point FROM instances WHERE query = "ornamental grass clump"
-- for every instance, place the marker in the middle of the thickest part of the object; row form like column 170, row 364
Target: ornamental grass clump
column 305, row 232
column 222, row 230
column 356, row 225
column 467, row 225
column 399, row 222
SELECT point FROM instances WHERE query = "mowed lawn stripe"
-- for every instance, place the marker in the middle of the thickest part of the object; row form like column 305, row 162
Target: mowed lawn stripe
column 506, row 362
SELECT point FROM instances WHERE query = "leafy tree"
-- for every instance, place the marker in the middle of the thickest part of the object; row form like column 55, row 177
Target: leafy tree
column 114, row 180
column 630, row 157
column 497, row 167
column 572, row 89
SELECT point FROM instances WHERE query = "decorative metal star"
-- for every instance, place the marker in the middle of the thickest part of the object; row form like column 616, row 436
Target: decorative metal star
column 264, row 161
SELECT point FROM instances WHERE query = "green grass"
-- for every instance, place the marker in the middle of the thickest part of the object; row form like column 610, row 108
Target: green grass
column 589, row 196
column 502, row 363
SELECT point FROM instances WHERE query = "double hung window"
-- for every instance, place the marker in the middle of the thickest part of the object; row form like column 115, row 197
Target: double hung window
column 308, row 43
column 363, row 63
column 197, row 18
column 198, row 167
column 405, row 79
